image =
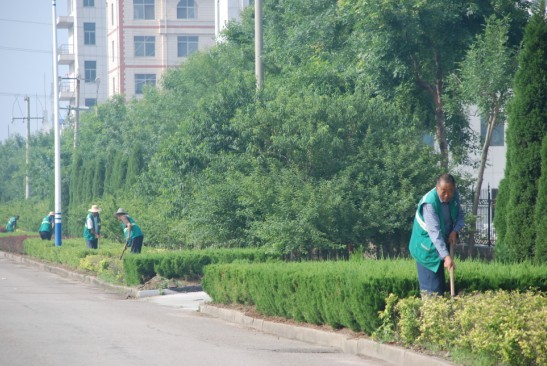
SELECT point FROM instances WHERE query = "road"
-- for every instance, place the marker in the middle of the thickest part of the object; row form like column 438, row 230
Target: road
column 46, row 319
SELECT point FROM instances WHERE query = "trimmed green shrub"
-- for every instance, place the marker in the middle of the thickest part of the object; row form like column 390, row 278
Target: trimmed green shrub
column 188, row 264
column 348, row 294
column 341, row 294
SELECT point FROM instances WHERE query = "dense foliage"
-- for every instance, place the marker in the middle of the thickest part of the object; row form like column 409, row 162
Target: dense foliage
column 492, row 328
column 519, row 219
column 328, row 156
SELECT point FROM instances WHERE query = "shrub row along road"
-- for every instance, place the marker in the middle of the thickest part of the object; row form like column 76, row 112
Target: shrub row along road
column 46, row 320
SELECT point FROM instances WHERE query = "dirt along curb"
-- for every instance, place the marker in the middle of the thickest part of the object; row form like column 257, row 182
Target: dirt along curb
column 357, row 346
column 347, row 344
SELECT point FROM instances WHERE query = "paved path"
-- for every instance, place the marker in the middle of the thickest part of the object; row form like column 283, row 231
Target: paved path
column 46, row 320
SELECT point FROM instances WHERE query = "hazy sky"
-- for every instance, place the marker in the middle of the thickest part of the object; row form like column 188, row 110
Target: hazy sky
column 26, row 60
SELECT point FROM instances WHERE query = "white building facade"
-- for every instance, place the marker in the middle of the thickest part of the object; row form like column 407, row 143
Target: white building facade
column 82, row 60
column 495, row 166
column 228, row 10
column 146, row 37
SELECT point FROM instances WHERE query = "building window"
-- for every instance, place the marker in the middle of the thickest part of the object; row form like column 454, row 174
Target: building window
column 89, row 3
column 89, row 33
column 90, row 71
column 144, row 79
column 112, row 13
column 186, row 9
column 114, row 85
column 143, row 9
column 90, row 102
column 498, row 134
column 145, row 46
column 113, row 51
column 187, row 45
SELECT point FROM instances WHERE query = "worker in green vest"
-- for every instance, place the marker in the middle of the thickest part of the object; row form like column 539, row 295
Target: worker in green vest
column 438, row 221
column 11, row 226
column 46, row 227
column 92, row 227
column 132, row 232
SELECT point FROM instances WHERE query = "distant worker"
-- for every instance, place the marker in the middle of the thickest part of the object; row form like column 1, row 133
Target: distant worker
column 46, row 228
column 438, row 222
column 92, row 227
column 132, row 232
column 12, row 224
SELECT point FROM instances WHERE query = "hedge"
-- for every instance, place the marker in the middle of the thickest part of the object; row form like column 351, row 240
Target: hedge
column 347, row 294
column 187, row 264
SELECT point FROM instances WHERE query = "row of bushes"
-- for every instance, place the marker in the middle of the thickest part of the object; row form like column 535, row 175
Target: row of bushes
column 104, row 262
column 187, row 264
column 136, row 269
column 501, row 327
column 348, row 294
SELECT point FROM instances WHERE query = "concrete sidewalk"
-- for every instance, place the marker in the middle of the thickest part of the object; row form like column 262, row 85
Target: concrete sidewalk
column 199, row 301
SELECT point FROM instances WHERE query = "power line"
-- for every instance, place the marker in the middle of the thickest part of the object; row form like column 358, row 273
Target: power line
column 23, row 49
column 10, row 94
column 23, row 21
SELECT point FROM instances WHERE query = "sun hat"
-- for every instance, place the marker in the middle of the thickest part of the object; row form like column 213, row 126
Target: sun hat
column 120, row 211
column 94, row 208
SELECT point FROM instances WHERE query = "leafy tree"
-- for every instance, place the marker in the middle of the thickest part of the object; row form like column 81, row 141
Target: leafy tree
column 486, row 76
column 98, row 178
column 525, row 134
column 134, row 166
column 12, row 169
column 407, row 50
column 540, row 253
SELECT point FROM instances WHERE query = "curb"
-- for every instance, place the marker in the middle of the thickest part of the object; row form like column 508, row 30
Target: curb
column 357, row 346
column 131, row 292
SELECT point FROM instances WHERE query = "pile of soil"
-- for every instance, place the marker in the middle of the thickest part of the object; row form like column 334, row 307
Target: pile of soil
column 180, row 285
column 13, row 244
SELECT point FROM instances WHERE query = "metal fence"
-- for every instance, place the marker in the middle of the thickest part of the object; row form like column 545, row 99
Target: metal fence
column 484, row 233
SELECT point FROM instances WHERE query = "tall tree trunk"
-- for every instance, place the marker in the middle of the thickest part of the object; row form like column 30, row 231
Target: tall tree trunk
column 492, row 119
column 436, row 93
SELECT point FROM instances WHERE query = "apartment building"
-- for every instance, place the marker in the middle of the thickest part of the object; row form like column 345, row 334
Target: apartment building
column 146, row 37
column 82, row 59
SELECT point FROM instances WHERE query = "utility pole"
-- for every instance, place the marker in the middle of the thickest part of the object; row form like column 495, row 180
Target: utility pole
column 27, row 160
column 259, row 72
column 77, row 112
column 76, row 109
column 27, row 183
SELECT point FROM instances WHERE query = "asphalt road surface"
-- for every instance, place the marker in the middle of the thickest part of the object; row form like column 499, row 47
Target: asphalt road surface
column 47, row 320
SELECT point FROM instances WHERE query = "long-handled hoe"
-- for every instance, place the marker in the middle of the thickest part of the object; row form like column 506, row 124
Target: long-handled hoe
column 451, row 271
column 124, row 249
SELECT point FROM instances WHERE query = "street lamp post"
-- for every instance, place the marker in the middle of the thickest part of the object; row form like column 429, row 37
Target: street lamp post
column 58, row 217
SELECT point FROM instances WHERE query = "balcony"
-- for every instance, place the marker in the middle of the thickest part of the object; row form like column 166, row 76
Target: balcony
column 67, row 91
column 65, row 54
column 65, row 22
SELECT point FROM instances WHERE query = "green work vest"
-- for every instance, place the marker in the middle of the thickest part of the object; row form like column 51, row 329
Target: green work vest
column 88, row 235
column 46, row 225
column 421, row 246
column 11, row 224
column 135, row 229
